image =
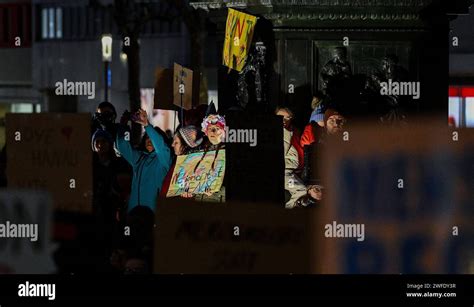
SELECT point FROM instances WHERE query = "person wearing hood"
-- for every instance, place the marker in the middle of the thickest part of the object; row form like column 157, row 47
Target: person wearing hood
column 150, row 163
column 104, row 118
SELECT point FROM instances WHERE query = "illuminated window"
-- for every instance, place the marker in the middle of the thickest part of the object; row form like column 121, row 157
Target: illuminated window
column 51, row 23
column 469, row 112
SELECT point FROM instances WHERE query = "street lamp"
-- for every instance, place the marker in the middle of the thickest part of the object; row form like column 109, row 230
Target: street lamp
column 106, row 58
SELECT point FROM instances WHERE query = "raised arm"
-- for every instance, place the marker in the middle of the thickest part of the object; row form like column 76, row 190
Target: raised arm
column 123, row 146
column 156, row 139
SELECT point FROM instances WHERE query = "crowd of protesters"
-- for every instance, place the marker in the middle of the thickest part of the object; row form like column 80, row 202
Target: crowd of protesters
column 303, row 186
column 129, row 180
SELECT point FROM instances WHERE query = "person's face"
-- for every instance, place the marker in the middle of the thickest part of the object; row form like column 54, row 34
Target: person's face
column 177, row 145
column 316, row 192
column 214, row 134
column 335, row 124
column 286, row 117
column 149, row 145
column 107, row 114
column 102, row 145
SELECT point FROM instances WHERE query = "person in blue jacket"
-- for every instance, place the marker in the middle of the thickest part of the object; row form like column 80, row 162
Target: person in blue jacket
column 150, row 164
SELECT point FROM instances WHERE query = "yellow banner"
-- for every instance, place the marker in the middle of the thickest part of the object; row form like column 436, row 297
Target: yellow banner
column 238, row 37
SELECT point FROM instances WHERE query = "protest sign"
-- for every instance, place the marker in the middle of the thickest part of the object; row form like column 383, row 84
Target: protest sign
column 25, row 232
column 412, row 191
column 182, row 87
column 52, row 152
column 207, row 177
column 233, row 238
column 238, row 37
column 163, row 98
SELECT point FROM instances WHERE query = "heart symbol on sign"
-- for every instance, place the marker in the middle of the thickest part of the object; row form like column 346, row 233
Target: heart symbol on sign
column 67, row 132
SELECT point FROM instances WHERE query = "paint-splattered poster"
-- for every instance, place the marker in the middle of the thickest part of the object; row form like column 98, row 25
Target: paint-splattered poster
column 238, row 37
column 198, row 173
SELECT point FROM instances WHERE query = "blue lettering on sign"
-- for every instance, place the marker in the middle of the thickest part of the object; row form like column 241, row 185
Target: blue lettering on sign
column 413, row 250
column 368, row 188
column 438, row 186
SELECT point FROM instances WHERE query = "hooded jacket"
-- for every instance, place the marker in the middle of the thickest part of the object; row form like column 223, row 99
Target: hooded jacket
column 149, row 168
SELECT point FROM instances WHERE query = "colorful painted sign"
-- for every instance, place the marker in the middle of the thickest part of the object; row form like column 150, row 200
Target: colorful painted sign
column 198, row 173
column 238, row 37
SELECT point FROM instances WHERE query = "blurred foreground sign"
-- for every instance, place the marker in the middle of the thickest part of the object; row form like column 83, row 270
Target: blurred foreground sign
column 25, row 232
column 51, row 151
column 244, row 238
column 413, row 191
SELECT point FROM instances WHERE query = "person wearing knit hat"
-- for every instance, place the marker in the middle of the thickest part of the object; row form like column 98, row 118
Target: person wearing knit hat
column 334, row 121
column 315, row 127
column 185, row 139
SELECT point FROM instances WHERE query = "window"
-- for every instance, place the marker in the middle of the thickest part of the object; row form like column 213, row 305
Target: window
column 453, row 111
column 469, row 112
column 44, row 23
column 22, row 108
column 15, row 21
column 51, row 23
column 461, row 106
column 59, row 23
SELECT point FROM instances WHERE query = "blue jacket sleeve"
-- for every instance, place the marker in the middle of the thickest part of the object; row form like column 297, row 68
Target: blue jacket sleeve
column 124, row 147
column 159, row 144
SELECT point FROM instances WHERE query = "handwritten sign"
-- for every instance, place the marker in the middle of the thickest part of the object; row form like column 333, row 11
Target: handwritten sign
column 231, row 238
column 182, row 87
column 206, row 177
column 51, row 152
column 238, row 37
column 412, row 189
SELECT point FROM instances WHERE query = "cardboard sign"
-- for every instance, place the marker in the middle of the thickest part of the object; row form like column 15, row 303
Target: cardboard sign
column 412, row 191
column 182, row 87
column 242, row 238
column 163, row 98
column 238, row 37
column 52, row 152
column 187, row 178
column 25, row 232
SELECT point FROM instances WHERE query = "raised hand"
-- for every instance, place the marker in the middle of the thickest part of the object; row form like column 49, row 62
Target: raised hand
column 141, row 117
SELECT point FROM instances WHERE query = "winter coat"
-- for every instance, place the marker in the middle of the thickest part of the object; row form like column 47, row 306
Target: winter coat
column 149, row 168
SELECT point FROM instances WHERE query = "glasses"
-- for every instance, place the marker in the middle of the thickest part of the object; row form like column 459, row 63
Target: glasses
column 339, row 121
